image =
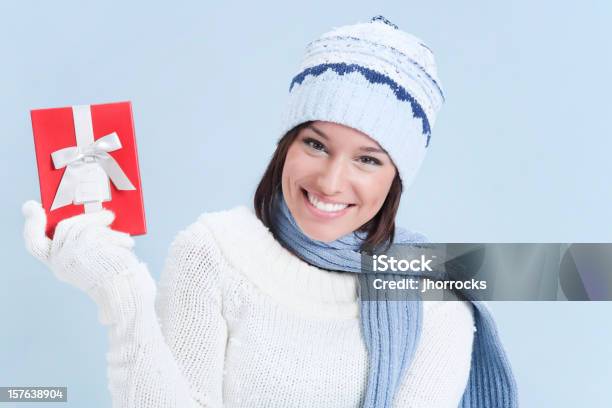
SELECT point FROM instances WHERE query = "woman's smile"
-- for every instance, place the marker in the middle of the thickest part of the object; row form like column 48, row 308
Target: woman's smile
column 324, row 208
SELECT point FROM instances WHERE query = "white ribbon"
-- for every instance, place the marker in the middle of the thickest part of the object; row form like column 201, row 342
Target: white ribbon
column 88, row 162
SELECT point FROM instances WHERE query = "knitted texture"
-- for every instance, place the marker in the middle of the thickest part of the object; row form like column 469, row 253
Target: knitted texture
column 84, row 251
column 375, row 78
column 238, row 321
column 391, row 328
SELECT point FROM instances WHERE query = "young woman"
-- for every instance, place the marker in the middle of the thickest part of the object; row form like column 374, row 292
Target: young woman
column 259, row 307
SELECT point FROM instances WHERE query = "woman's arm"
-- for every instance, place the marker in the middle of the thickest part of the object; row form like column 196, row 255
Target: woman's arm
column 440, row 369
column 175, row 360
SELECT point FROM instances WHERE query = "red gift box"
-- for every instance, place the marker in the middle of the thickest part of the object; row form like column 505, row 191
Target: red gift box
column 87, row 160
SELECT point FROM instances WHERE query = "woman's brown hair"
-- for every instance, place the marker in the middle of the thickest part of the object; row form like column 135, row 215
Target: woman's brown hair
column 380, row 229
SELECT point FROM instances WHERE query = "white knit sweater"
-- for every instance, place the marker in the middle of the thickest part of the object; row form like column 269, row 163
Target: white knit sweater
column 238, row 321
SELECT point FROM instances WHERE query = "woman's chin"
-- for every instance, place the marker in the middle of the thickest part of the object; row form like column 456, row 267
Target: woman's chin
column 322, row 233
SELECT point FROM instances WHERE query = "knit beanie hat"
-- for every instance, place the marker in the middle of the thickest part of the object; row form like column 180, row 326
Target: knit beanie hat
column 374, row 78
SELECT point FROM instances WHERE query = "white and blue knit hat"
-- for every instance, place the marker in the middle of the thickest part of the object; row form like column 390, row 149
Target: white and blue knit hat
column 375, row 78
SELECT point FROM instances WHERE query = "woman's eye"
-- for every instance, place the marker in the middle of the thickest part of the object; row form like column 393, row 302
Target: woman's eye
column 369, row 160
column 315, row 144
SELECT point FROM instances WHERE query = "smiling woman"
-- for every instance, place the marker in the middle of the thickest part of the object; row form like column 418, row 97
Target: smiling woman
column 333, row 173
column 260, row 307
column 331, row 184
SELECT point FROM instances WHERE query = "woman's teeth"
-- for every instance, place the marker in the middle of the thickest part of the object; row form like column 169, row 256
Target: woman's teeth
column 328, row 207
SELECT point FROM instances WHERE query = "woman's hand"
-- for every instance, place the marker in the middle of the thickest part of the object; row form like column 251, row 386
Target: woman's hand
column 84, row 251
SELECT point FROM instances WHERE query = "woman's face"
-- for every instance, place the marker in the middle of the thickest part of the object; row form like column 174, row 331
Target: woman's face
column 335, row 179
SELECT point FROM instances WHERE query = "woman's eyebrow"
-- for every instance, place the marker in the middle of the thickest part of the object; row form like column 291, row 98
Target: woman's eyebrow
column 368, row 149
column 318, row 132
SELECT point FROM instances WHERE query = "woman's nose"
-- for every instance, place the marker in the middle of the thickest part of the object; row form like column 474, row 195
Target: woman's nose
column 332, row 177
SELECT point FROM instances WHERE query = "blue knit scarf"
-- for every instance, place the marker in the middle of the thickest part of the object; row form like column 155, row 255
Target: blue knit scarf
column 391, row 328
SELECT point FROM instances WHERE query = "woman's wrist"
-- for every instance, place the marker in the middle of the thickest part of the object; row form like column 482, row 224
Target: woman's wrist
column 126, row 295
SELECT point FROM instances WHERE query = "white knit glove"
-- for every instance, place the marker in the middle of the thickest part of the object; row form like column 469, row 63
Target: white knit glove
column 84, row 251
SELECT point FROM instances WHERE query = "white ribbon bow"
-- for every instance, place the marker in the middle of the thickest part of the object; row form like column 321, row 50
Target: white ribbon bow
column 87, row 151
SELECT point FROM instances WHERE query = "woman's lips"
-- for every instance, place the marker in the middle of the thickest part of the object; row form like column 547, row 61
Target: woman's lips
column 319, row 213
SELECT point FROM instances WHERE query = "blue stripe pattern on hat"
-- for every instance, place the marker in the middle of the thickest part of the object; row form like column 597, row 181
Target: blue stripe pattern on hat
column 373, row 77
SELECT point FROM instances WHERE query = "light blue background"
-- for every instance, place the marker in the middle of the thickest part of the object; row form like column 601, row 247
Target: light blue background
column 520, row 153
